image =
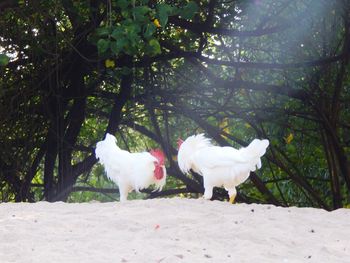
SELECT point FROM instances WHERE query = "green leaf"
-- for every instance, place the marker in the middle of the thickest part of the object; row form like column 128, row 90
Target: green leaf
column 125, row 14
column 189, row 10
column 150, row 28
column 164, row 10
column 133, row 29
column 117, row 33
column 115, row 48
column 103, row 31
column 140, row 13
column 123, row 4
column 102, row 45
column 120, row 45
column 154, row 47
column 4, row 60
column 132, row 33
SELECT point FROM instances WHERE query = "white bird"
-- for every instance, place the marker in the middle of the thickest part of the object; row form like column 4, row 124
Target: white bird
column 131, row 171
column 219, row 166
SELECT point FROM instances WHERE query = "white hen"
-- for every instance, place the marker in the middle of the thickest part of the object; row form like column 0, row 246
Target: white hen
column 131, row 171
column 220, row 166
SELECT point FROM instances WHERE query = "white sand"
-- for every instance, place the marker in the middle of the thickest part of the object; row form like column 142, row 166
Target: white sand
column 171, row 230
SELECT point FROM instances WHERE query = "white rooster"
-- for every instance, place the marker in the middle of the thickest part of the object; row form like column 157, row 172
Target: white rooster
column 131, row 171
column 220, row 166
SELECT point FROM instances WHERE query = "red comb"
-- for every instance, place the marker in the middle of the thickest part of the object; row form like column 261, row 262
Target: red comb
column 158, row 153
column 179, row 142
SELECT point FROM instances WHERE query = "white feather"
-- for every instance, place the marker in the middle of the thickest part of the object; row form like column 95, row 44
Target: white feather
column 220, row 166
column 130, row 171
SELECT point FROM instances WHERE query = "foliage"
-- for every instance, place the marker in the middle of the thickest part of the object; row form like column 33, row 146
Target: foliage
column 4, row 60
column 132, row 29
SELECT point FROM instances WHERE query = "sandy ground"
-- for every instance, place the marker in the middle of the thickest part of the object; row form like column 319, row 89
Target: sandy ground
column 171, row 230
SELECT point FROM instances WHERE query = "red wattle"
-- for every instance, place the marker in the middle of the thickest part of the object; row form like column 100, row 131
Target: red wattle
column 158, row 172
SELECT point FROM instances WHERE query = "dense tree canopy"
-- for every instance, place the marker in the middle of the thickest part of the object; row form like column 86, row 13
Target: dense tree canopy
column 153, row 71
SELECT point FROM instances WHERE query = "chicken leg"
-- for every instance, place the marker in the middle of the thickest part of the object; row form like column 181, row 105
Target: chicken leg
column 232, row 194
column 208, row 189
